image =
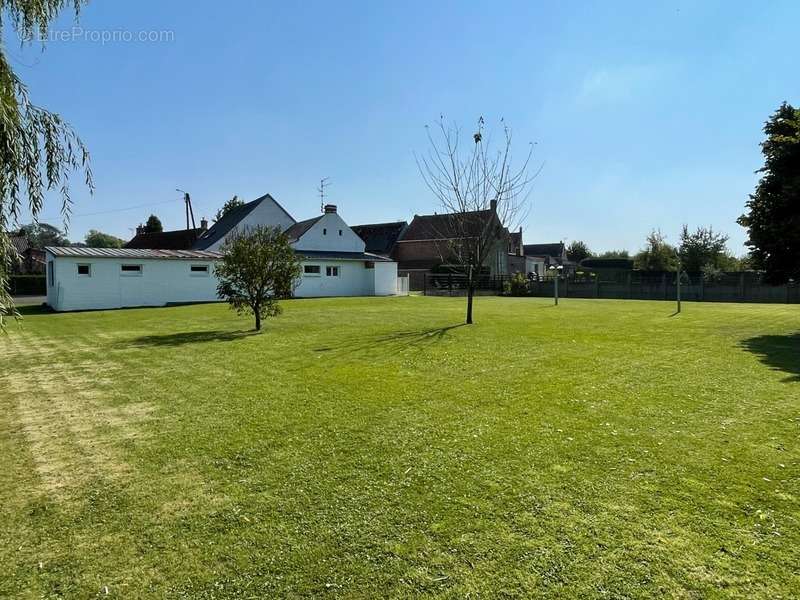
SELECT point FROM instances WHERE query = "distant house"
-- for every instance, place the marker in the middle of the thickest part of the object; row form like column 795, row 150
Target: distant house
column 426, row 244
column 335, row 259
column 180, row 239
column 31, row 260
column 540, row 257
column 381, row 238
column 334, row 263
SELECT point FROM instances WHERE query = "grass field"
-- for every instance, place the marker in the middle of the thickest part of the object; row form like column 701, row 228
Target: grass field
column 372, row 447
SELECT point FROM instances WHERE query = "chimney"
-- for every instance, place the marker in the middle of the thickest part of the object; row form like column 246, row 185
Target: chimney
column 203, row 224
column 493, row 205
column 330, row 208
column 139, row 229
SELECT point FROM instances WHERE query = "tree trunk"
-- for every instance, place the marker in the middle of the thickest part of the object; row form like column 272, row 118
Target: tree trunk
column 258, row 318
column 470, row 293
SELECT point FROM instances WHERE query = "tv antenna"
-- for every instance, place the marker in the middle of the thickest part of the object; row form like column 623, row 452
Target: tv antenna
column 189, row 212
column 323, row 183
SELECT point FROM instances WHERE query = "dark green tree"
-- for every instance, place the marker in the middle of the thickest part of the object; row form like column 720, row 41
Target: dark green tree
column 703, row 248
column 228, row 207
column 40, row 235
column 773, row 210
column 657, row 255
column 98, row 239
column 577, row 251
column 39, row 151
column 153, row 225
column 258, row 268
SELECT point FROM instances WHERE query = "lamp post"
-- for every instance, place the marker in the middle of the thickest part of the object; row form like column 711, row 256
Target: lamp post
column 557, row 272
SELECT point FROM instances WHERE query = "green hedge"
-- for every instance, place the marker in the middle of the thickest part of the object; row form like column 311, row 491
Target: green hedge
column 28, row 285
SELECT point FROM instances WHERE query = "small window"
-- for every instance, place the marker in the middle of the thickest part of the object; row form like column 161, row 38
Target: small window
column 130, row 270
column 85, row 270
column 340, row 233
column 324, row 231
column 332, row 271
column 369, row 264
column 51, row 274
column 198, row 270
column 311, row 270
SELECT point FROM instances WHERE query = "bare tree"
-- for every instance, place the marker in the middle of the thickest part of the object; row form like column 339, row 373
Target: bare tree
column 481, row 193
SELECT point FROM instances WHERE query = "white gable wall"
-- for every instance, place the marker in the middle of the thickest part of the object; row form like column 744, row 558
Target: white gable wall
column 266, row 213
column 324, row 236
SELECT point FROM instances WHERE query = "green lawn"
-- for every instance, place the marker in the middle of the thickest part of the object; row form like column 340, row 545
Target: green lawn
column 372, row 447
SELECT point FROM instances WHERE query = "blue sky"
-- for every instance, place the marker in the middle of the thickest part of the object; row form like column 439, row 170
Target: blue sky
column 644, row 115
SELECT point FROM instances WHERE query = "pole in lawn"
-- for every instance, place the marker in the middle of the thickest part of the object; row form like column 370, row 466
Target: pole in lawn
column 557, row 271
column 678, row 285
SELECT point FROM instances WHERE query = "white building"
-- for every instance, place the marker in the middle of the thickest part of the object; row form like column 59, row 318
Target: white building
column 334, row 263
column 333, row 257
column 99, row 278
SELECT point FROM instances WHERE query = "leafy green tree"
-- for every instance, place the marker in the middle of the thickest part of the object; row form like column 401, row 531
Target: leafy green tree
column 703, row 247
column 577, row 251
column 614, row 254
column 38, row 149
column 153, row 225
column 98, row 239
column 773, row 211
column 40, row 235
column 228, row 207
column 657, row 255
column 258, row 268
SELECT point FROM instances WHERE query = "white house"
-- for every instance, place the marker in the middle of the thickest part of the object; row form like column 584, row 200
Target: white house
column 333, row 260
column 333, row 257
column 100, row 278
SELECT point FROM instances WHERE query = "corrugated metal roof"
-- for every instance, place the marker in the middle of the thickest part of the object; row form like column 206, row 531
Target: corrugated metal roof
column 133, row 253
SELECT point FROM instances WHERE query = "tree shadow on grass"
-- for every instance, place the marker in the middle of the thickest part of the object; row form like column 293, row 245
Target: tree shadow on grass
column 779, row 352
column 189, row 337
column 394, row 341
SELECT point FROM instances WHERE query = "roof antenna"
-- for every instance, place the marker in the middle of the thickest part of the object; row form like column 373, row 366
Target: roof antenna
column 189, row 212
column 323, row 183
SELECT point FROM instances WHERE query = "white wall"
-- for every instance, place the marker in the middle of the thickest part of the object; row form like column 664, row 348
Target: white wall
column 354, row 279
column 385, row 279
column 161, row 282
column 266, row 213
column 324, row 236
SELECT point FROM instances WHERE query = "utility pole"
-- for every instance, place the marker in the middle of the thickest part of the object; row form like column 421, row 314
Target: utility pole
column 189, row 212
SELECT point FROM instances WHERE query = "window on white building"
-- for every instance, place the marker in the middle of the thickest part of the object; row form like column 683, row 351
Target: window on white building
column 369, row 264
column 324, row 231
column 312, row 270
column 332, row 271
column 85, row 270
column 130, row 270
column 198, row 271
column 51, row 274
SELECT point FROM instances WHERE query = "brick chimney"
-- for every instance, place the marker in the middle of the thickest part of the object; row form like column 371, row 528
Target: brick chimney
column 330, row 208
column 203, row 224
column 493, row 205
column 139, row 229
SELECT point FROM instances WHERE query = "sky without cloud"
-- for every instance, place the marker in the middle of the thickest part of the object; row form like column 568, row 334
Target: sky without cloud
column 644, row 115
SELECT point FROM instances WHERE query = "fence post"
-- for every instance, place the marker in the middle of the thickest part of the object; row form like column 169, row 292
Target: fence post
column 424, row 284
column 566, row 287
column 702, row 287
column 664, row 285
column 449, row 284
column 630, row 285
column 596, row 285
column 741, row 285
